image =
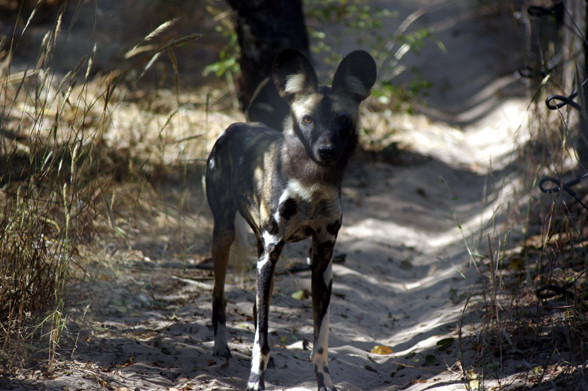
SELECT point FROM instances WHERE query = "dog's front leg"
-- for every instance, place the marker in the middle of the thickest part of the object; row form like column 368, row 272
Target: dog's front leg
column 322, row 282
column 265, row 272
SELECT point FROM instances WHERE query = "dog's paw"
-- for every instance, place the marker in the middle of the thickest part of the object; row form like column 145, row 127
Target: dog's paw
column 255, row 382
column 254, row 387
column 222, row 352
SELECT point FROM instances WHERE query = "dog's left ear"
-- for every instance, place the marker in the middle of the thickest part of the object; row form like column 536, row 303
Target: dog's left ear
column 355, row 75
column 294, row 75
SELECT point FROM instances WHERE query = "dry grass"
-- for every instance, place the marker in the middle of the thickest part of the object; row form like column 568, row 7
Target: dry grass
column 534, row 299
column 535, row 293
column 78, row 160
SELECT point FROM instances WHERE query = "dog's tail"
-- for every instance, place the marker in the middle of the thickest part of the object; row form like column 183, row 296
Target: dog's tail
column 239, row 248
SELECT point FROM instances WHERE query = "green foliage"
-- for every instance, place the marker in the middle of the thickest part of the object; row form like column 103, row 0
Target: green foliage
column 227, row 57
column 399, row 96
column 227, row 64
column 366, row 25
column 356, row 14
column 355, row 21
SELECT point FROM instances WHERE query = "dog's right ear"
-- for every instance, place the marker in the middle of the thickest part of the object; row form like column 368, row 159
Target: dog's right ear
column 294, row 75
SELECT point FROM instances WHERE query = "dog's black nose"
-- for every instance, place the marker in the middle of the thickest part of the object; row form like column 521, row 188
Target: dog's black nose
column 326, row 152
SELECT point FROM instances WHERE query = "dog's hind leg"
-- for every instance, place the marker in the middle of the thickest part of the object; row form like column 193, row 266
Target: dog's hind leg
column 222, row 238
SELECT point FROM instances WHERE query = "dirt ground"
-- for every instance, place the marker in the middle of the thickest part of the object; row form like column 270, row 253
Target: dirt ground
column 405, row 271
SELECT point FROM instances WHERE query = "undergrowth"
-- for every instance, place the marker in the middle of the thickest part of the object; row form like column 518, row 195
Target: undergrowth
column 48, row 202
column 56, row 174
column 359, row 23
column 534, row 324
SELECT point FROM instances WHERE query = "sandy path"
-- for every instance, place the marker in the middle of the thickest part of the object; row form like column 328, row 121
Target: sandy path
column 406, row 275
column 403, row 284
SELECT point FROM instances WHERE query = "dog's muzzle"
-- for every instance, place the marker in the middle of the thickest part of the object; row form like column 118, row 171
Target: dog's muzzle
column 326, row 151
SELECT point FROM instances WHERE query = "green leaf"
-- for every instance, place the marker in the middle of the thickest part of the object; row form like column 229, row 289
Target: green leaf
column 445, row 343
column 301, row 294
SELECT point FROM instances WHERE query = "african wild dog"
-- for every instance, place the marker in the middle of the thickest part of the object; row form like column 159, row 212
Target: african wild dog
column 287, row 186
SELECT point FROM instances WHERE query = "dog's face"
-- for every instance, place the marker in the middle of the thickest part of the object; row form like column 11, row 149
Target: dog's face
column 324, row 124
column 324, row 118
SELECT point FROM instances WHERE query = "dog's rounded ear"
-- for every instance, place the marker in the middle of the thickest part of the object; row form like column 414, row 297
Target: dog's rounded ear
column 294, row 75
column 356, row 75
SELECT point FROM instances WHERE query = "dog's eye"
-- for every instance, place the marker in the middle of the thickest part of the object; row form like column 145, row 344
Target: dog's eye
column 307, row 119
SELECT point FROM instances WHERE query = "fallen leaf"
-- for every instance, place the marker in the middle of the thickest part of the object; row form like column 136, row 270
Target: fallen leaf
column 302, row 294
column 381, row 349
column 418, row 381
column 131, row 361
column 472, row 379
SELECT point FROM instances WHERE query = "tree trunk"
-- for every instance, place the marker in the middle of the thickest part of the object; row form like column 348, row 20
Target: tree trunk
column 264, row 29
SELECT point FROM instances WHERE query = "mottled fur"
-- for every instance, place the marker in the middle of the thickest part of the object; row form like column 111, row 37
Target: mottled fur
column 287, row 185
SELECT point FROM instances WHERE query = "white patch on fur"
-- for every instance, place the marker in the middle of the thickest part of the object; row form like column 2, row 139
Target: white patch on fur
column 321, row 360
column 262, row 262
column 297, row 189
column 322, row 339
column 295, row 83
column 258, row 175
column 256, row 355
column 301, row 107
column 258, row 360
column 313, row 193
column 211, row 163
column 269, row 239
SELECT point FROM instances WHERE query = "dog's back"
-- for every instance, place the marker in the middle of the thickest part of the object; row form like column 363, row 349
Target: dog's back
column 240, row 168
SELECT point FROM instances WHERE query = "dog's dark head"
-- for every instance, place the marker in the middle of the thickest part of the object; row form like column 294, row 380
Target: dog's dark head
column 324, row 118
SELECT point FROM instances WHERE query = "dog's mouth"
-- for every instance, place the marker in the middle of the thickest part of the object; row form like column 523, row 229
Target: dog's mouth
column 326, row 163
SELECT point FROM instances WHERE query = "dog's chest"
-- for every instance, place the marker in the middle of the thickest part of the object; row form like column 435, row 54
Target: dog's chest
column 306, row 210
